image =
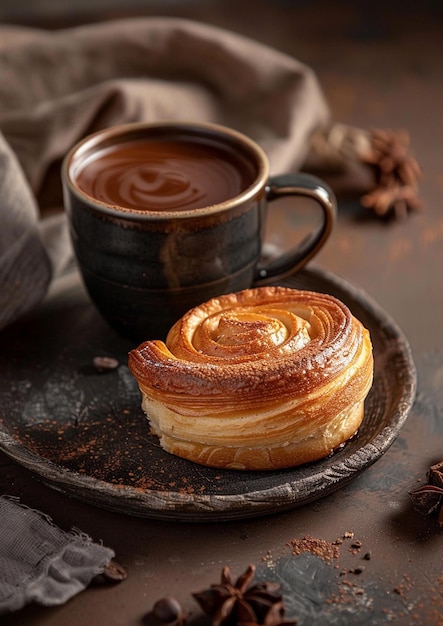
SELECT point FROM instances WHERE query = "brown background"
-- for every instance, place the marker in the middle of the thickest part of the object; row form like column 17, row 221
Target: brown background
column 381, row 65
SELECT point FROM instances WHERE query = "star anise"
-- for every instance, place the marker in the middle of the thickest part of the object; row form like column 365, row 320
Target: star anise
column 435, row 475
column 428, row 499
column 390, row 153
column 242, row 603
column 396, row 199
column 396, row 172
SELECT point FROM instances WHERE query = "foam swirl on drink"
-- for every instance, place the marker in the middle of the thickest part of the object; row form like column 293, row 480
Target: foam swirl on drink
column 165, row 175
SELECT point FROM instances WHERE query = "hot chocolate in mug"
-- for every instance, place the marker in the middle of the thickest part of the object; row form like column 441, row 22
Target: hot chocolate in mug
column 165, row 216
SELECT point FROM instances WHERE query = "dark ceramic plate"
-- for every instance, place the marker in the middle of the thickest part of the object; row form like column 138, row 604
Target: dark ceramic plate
column 83, row 432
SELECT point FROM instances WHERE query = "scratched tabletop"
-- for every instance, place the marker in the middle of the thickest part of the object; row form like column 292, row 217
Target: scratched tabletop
column 362, row 554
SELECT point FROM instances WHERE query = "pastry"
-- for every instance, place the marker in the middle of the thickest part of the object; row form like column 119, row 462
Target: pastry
column 262, row 379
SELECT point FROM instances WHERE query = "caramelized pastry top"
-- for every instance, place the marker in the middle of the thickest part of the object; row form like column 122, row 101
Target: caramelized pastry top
column 262, row 379
column 259, row 345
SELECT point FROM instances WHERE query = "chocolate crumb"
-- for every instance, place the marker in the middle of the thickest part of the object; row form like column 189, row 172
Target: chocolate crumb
column 337, row 542
column 367, row 556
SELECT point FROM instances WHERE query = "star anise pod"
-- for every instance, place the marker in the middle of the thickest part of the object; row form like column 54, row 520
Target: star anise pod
column 242, row 603
column 428, row 499
column 396, row 199
column 390, row 154
column 396, row 172
column 435, row 475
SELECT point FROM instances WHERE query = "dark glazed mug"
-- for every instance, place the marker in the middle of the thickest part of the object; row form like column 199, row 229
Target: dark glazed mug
column 166, row 216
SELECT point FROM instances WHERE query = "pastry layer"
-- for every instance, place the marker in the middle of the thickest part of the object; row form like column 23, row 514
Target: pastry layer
column 265, row 378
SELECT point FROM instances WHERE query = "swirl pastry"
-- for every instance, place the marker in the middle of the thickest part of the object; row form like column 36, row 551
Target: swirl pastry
column 261, row 379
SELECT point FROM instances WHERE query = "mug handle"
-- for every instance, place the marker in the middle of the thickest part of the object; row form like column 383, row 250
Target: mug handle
column 298, row 184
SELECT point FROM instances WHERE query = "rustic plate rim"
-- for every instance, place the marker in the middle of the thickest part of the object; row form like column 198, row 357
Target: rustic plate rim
column 280, row 497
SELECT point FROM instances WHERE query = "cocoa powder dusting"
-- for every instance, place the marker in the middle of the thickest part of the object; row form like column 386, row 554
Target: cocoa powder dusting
column 352, row 589
column 319, row 547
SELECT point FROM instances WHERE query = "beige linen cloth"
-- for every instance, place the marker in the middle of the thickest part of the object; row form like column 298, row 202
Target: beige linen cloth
column 58, row 86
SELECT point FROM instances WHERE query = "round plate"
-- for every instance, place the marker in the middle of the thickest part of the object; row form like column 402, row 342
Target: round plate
column 84, row 433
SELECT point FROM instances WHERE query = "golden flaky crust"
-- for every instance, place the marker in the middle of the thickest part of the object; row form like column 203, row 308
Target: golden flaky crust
column 261, row 379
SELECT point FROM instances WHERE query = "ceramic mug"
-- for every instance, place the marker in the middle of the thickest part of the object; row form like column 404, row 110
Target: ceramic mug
column 165, row 216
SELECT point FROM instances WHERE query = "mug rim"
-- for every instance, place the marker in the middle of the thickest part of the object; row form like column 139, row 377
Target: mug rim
column 134, row 129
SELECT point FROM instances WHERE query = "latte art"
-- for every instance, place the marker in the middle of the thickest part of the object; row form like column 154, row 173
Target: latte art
column 148, row 185
column 164, row 175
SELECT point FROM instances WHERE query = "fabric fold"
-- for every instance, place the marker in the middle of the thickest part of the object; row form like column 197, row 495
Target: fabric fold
column 41, row 563
column 58, row 86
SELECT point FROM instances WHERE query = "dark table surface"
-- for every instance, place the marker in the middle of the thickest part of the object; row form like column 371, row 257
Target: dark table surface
column 379, row 68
